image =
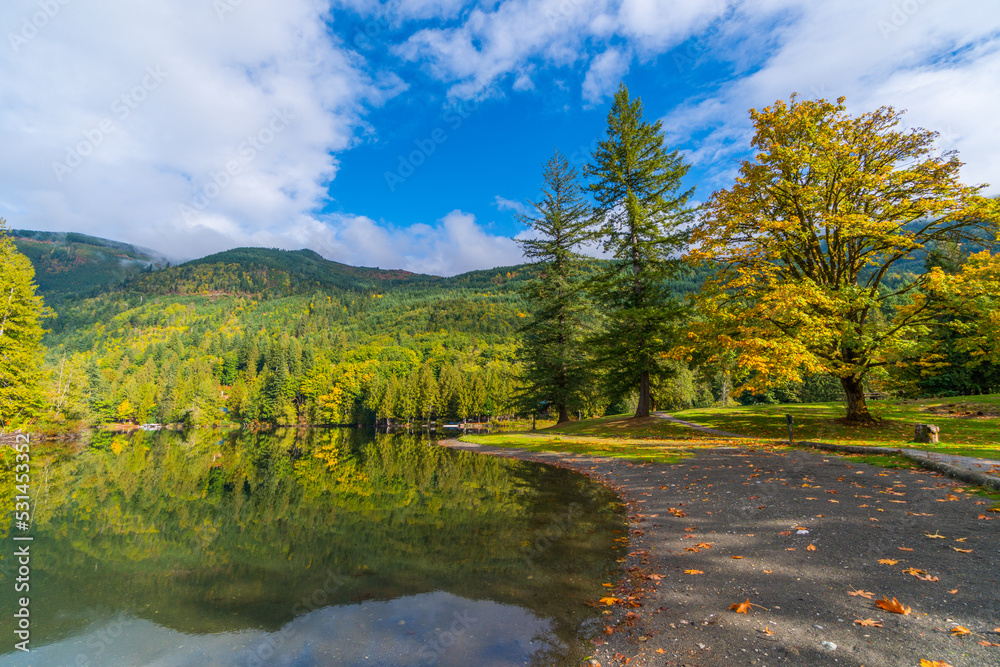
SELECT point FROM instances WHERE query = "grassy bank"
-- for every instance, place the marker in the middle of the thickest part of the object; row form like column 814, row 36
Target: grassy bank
column 970, row 425
column 648, row 439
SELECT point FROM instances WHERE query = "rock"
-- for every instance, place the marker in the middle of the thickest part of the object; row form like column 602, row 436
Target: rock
column 926, row 433
column 829, row 645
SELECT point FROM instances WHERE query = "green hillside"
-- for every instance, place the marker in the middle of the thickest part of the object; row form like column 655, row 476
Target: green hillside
column 69, row 265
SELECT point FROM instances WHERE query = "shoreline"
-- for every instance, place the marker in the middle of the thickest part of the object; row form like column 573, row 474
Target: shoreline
column 700, row 540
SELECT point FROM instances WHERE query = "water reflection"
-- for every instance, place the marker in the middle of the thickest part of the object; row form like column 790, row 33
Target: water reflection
column 310, row 548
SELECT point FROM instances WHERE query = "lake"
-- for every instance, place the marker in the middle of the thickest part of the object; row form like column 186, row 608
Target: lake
column 312, row 547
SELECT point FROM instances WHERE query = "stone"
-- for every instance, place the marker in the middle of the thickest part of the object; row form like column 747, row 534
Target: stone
column 926, row 433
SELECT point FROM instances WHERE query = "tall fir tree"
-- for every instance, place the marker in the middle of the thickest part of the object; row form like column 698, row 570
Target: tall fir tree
column 556, row 366
column 642, row 209
column 21, row 315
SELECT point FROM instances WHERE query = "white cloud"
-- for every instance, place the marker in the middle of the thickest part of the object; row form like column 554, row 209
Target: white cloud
column 113, row 115
column 939, row 61
column 504, row 204
column 606, row 71
column 457, row 243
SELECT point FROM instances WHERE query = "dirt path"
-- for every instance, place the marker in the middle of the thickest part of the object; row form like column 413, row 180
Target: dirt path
column 736, row 516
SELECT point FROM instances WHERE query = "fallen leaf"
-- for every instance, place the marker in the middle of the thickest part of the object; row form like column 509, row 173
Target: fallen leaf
column 954, row 591
column 914, row 571
column 936, row 536
column 865, row 594
column 770, row 571
column 869, row 623
column 654, row 577
column 659, row 650
column 610, row 601
column 904, row 549
column 934, row 663
column 894, row 605
column 608, row 630
column 741, row 607
column 790, row 549
column 691, row 528
column 693, row 572
column 887, row 561
column 984, row 642
column 692, row 549
column 785, row 532
column 767, row 631
column 811, row 547
column 608, row 585
column 962, row 551
column 960, row 630
column 736, row 557
column 704, row 545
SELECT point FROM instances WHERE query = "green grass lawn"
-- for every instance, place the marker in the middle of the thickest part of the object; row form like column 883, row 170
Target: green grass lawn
column 621, row 436
column 961, row 432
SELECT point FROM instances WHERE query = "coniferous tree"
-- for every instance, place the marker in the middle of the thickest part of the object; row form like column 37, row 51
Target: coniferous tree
column 641, row 210
column 21, row 314
column 556, row 367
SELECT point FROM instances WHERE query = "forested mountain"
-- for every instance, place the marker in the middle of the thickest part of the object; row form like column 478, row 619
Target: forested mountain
column 70, row 265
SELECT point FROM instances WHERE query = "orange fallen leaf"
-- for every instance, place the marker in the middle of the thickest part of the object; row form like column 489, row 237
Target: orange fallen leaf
column 983, row 642
column 934, row 663
column 692, row 549
column 693, row 572
column 790, row 549
column 691, row 528
column 660, row 650
column 736, row 557
column 811, row 547
column 953, row 591
column 770, row 571
column 936, row 536
column 904, row 549
column 654, row 577
column 914, row 571
column 767, row 631
column 962, row 551
column 608, row 630
column 894, row 605
column 704, row 545
column 869, row 623
column 960, row 630
column 610, row 601
column 887, row 561
column 862, row 593
column 742, row 607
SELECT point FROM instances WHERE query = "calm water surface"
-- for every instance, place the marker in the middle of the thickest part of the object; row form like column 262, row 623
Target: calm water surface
column 308, row 548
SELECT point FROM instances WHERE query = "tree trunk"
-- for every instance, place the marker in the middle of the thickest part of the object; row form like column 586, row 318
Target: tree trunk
column 642, row 410
column 857, row 409
column 563, row 414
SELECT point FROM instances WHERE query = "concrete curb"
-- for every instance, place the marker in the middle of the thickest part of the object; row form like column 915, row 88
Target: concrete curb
column 969, row 476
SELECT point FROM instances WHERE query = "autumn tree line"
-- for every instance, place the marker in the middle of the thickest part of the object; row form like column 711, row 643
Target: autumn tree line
column 846, row 257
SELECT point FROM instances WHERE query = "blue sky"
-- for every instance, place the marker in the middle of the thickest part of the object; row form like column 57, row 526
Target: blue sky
column 191, row 126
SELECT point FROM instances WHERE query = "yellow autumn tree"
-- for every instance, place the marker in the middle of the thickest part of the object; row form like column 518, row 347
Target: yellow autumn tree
column 969, row 301
column 808, row 237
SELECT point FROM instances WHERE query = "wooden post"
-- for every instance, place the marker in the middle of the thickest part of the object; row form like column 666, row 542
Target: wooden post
column 788, row 418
